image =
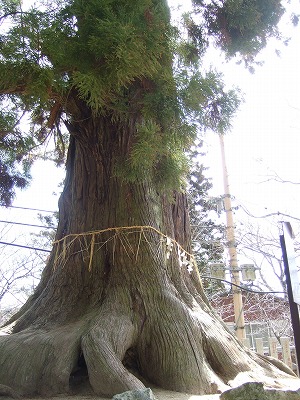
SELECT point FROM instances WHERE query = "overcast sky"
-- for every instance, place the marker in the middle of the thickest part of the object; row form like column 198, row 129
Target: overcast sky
column 265, row 139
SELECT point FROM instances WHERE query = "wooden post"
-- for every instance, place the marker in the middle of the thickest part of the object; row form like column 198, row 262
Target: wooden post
column 286, row 351
column 273, row 347
column 246, row 342
column 259, row 345
column 233, row 262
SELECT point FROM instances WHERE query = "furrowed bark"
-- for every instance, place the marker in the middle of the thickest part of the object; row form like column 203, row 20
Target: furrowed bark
column 112, row 303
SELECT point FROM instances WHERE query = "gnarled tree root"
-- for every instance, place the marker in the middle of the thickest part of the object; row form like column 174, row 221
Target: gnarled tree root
column 40, row 361
column 9, row 392
column 184, row 350
column 104, row 347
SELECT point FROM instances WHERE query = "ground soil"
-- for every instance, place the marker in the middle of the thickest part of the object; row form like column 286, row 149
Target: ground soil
column 160, row 394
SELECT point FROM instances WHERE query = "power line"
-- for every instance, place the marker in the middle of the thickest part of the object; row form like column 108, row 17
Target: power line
column 241, row 287
column 31, row 209
column 35, row 226
column 25, row 247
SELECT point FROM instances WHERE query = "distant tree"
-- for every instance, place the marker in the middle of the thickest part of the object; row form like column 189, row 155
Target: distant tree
column 20, row 269
column 20, row 272
column 120, row 297
column 46, row 236
column 207, row 235
column 273, row 176
column 268, row 312
column 261, row 245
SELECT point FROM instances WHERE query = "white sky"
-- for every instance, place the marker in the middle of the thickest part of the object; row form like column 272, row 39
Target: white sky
column 266, row 132
column 265, row 136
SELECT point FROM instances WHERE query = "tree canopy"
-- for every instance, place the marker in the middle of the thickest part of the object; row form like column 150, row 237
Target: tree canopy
column 120, row 300
column 98, row 50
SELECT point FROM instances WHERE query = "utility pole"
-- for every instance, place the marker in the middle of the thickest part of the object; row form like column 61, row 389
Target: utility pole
column 292, row 282
column 233, row 262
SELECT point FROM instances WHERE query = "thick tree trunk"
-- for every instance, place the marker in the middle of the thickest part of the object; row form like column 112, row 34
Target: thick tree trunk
column 111, row 306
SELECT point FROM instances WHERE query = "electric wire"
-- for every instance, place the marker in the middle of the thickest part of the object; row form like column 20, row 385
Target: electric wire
column 51, row 227
column 241, row 287
column 24, row 224
column 30, row 209
column 25, row 247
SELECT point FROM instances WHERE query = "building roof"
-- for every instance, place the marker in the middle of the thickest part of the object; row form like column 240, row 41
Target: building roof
column 257, row 307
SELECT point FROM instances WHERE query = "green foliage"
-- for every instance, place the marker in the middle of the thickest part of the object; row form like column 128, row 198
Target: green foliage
column 241, row 26
column 45, row 238
column 192, row 48
column 8, row 7
column 10, row 178
column 14, row 150
column 63, row 60
column 118, row 45
column 207, row 235
column 143, row 157
column 205, row 101
column 155, row 156
column 172, row 170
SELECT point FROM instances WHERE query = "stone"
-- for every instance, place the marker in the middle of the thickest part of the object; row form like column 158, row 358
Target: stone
column 138, row 394
column 256, row 391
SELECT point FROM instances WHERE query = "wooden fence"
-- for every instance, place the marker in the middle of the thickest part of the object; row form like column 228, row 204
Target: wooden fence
column 281, row 351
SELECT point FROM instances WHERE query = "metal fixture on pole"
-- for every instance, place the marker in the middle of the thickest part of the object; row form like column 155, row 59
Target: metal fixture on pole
column 233, row 262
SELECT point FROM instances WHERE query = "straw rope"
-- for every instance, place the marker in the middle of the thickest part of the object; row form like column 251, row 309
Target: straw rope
column 116, row 230
column 123, row 228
